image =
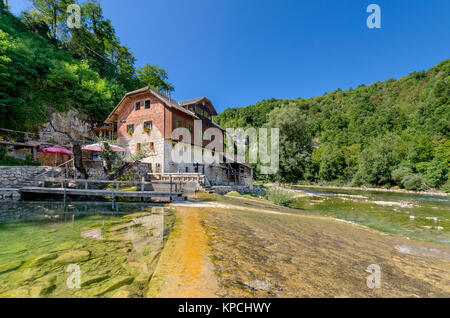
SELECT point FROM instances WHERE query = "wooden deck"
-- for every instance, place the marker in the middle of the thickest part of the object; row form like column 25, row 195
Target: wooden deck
column 173, row 194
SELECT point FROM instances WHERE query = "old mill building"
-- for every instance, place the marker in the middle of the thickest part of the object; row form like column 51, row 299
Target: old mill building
column 145, row 119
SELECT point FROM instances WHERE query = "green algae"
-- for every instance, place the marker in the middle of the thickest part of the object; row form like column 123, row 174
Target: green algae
column 37, row 256
column 10, row 266
column 72, row 257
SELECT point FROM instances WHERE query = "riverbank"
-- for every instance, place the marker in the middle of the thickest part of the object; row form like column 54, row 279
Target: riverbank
column 440, row 193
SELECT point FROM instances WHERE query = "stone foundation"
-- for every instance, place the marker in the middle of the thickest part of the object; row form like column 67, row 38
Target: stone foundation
column 11, row 176
column 9, row 195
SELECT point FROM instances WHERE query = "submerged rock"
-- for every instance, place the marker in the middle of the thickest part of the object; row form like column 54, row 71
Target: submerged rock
column 43, row 259
column 95, row 233
column 135, row 215
column 22, row 292
column 73, row 257
column 63, row 246
column 45, row 286
column 111, row 285
column 93, row 279
column 10, row 266
column 122, row 294
column 121, row 227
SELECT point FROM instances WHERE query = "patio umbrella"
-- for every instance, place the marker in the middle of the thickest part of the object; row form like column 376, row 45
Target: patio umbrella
column 100, row 147
column 57, row 150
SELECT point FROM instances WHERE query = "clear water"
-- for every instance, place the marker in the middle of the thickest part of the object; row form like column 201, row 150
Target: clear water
column 422, row 217
column 39, row 240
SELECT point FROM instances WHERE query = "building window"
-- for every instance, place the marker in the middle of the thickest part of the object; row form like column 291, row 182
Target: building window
column 152, row 146
column 148, row 126
column 179, row 124
column 138, row 106
column 147, row 104
column 130, row 129
column 189, row 127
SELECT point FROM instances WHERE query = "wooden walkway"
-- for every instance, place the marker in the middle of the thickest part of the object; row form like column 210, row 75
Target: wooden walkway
column 173, row 194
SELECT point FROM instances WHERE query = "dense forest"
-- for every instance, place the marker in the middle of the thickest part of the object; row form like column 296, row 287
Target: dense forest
column 45, row 66
column 393, row 133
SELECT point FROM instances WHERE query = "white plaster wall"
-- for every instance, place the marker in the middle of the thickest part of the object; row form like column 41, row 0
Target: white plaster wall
column 141, row 137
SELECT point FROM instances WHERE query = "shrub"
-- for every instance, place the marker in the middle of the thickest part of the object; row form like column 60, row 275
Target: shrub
column 446, row 187
column 280, row 197
column 400, row 173
column 6, row 160
column 436, row 174
column 412, row 182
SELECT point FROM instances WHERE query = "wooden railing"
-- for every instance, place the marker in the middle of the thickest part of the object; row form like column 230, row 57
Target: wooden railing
column 181, row 177
column 173, row 186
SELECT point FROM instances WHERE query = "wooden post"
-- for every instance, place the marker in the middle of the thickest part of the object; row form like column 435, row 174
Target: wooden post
column 85, row 184
column 170, row 178
column 112, row 200
column 117, row 185
column 142, row 184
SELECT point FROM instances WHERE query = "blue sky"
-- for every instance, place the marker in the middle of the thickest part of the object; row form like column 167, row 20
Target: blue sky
column 238, row 52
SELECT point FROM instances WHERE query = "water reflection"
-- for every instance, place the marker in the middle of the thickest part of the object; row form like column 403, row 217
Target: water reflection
column 11, row 212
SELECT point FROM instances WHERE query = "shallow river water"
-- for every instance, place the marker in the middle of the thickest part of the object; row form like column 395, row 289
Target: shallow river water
column 90, row 249
column 228, row 246
column 418, row 216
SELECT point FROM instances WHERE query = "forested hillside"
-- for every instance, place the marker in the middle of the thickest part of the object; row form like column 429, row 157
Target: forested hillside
column 393, row 133
column 47, row 67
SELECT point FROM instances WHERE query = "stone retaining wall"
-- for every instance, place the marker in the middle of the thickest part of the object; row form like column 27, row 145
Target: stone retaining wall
column 11, row 176
column 9, row 195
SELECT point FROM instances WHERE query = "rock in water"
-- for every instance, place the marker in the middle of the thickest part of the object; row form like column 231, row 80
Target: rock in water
column 112, row 284
column 72, row 257
column 43, row 259
column 94, row 233
column 10, row 266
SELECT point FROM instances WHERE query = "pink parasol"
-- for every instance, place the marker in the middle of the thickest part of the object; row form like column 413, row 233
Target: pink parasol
column 100, row 147
column 57, row 150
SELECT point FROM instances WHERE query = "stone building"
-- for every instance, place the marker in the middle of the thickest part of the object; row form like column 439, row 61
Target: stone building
column 144, row 121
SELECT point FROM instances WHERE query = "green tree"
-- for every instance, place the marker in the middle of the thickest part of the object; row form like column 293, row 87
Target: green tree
column 295, row 143
column 53, row 13
column 332, row 163
column 154, row 77
column 3, row 6
column 377, row 161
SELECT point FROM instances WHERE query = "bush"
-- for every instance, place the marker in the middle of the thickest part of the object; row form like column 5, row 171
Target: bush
column 446, row 187
column 6, row 160
column 435, row 173
column 280, row 197
column 400, row 173
column 412, row 182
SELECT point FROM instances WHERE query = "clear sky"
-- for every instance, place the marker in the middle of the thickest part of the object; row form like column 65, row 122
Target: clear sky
column 238, row 52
